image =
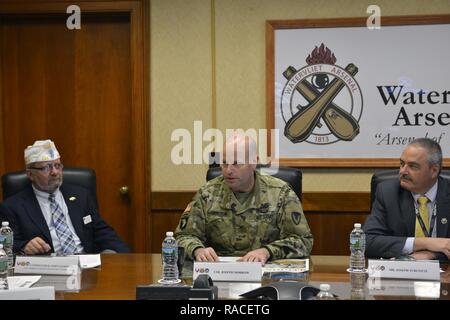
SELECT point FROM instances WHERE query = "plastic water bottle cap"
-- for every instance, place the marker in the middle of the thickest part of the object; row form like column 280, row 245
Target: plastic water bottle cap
column 324, row 287
column 357, row 225
column 5, row 223
column 169, row 234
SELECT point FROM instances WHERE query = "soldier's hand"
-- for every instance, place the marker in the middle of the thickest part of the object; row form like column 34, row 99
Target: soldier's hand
column 258, row 255
column 36, row 246
column 205, row 254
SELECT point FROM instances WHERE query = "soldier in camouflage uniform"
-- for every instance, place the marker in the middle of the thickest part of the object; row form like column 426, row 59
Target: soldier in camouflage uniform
column 246, row 214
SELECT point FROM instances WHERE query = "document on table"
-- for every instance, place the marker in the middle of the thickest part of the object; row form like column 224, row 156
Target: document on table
column 228, row 259
column 22, row 281
column 89, row 260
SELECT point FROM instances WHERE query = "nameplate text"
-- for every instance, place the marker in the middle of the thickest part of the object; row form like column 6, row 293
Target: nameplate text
column 229, row 271
column 401, row 269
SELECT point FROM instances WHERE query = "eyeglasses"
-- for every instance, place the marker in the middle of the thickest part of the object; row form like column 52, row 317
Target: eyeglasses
column 48, row 167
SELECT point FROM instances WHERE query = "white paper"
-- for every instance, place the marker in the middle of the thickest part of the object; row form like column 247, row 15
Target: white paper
column 22, row 281
column 228, row 259
column 89, row 260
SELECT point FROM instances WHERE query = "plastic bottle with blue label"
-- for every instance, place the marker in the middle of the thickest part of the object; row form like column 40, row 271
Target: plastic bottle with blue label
column 169, row 254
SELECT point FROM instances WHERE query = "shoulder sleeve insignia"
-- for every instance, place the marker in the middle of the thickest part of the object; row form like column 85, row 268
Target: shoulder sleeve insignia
column 183, row 222
column 296, row 217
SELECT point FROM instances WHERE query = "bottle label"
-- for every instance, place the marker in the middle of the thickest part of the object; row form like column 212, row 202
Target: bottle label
column 355, row 243
column 7, row 240
column 170, row 251
column 3, row 264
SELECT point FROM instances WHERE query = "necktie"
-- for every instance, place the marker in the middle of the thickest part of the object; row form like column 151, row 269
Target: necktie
column 423, row 212
column 63, row 232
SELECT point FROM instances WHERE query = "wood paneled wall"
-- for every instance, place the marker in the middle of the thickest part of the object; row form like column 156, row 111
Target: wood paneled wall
column 330, row 215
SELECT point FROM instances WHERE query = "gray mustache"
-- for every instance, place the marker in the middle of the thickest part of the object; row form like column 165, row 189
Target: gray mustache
column 405, row 177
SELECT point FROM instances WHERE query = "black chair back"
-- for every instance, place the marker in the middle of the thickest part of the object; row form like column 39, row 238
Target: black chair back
column 14, row 182
column 391, row 174
column 292, row 176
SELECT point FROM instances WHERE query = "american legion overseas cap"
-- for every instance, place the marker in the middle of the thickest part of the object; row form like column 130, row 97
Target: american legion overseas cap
column 41, row 150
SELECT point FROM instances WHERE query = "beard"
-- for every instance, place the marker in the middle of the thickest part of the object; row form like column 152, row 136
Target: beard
column 51, row 186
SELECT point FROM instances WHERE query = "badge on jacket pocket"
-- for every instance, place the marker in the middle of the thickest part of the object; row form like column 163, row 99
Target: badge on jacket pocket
column 87, row 219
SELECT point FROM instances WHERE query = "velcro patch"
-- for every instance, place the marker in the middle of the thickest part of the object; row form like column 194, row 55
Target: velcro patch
column 296, row 217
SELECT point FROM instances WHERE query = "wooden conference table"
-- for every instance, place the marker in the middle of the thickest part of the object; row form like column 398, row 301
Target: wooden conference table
column 119, row 275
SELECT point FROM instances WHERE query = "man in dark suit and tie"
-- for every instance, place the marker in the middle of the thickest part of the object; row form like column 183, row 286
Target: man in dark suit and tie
column 410, row 216
column 50, row 216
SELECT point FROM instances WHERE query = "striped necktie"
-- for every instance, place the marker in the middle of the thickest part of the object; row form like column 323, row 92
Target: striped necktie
column 68, row 245
column 423, row 212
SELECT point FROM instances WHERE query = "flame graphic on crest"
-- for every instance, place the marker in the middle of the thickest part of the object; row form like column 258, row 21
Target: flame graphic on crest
column 321, row 55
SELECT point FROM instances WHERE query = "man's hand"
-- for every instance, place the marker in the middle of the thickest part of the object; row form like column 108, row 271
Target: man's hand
column 258, row 255
column 423, row 255
column 36, row 246
column 433, row 244
column 205, row 254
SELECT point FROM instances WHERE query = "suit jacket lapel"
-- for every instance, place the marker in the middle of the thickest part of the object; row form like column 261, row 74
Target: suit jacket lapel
column 442, row 208
column 408, row 212
column 34, row 211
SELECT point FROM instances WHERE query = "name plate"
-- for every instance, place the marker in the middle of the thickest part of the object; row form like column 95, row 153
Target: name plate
column 401, row 269
column 229, row 271
column 47, row 265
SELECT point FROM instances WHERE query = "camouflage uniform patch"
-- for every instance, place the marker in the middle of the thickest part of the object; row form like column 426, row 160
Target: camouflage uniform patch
column 296, row 217
column 183, row 222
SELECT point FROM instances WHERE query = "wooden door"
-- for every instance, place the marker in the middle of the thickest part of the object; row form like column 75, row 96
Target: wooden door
column 84, row 90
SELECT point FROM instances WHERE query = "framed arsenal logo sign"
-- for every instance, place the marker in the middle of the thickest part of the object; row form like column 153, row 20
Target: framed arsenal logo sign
column 341, row 94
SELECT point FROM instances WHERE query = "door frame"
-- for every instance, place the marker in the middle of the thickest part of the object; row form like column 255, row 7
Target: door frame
column 139, row 13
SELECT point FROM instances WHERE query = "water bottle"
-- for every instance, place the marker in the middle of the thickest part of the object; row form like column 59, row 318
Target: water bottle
column 169, row 254
column 7, row 239
column 358, row 285
column 324, row 293
column 3, row 269
column 357, row 248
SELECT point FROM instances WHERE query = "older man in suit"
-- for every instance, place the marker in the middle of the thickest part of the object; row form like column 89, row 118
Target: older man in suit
column 50, row 216
column 410, row 216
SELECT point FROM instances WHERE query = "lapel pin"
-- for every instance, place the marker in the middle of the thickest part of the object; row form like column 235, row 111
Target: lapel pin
column 444, row 220
column 72, row 198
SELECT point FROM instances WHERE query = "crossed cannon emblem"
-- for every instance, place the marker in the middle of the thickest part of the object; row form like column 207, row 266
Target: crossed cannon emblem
column 320, row 105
